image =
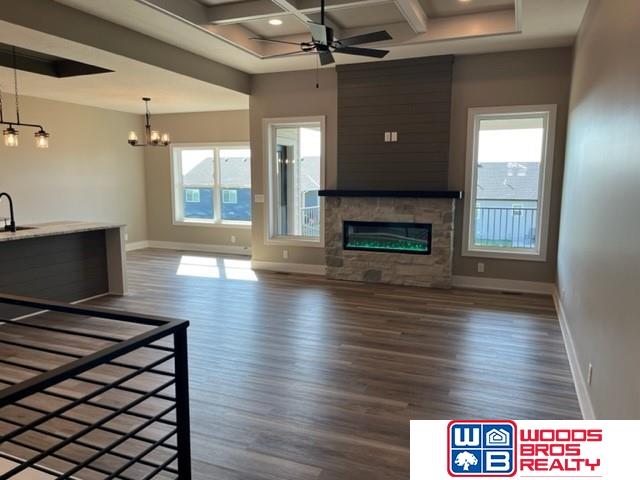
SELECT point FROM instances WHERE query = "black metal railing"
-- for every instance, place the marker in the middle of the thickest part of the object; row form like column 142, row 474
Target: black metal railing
column 506, row 227
column 120, row 411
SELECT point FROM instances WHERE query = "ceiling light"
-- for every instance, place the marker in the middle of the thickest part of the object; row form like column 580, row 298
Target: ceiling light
column 275, row 22
column 42, row 139
column 10, row 134
column 10, row 137
column 152, row 138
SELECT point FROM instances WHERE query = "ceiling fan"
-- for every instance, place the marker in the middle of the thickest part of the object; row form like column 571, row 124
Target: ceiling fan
column 325, row 45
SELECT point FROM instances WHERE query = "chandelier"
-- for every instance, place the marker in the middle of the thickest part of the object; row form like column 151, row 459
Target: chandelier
column 10, row 134
column 152, row 138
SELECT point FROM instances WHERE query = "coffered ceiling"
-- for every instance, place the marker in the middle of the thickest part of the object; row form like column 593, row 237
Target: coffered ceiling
column 196, row 55
column 222, row 30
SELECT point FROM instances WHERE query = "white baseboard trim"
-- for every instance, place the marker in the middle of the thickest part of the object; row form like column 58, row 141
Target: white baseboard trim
column 289, row 267
column 582, row 390
column 198, row 247
column 502, row 285
column 137, row 245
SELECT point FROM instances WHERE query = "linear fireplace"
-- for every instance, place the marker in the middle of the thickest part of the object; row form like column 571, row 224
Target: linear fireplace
column 394, row 237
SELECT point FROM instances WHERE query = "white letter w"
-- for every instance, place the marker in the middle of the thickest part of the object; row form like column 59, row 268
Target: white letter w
column 471, row 437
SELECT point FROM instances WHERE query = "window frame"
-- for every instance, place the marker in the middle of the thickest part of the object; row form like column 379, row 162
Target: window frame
column 475, row 115
column 270, row 187
column 177, row 200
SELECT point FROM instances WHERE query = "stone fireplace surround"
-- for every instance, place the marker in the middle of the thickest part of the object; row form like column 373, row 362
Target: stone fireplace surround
column 436, row 208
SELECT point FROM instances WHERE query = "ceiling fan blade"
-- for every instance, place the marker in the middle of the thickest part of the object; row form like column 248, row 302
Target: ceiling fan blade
column 288, row 54
column 366, row 38
column 365, row 52
column 320, row 33
column 326, row 57
column 259, row 39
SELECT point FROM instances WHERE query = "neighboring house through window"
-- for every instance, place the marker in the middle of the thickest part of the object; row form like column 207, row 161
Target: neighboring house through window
column 212, row 184
column 509, row 166
column 295, row 171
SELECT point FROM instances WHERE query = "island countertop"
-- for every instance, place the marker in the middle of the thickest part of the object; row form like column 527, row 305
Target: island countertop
column 55, row 228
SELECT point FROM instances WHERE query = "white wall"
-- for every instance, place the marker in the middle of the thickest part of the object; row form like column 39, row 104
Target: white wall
column 89, row 172
column 599, row 246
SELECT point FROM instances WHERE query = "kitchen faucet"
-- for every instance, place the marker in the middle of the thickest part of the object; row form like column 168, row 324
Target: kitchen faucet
column 12, row 226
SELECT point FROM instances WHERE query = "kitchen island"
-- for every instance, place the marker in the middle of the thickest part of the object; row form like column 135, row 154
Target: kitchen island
column 63, row 261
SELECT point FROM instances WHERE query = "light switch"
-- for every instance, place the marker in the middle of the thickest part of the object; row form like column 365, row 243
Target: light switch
column 394, row 136
column 258, row 198
column 387, row 136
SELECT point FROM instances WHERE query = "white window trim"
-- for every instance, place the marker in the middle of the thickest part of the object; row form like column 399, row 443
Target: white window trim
column 270, row 181
column 545, row 186
column 176, row 198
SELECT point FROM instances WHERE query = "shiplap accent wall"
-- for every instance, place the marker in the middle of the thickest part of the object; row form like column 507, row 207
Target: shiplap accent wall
column 411, row 97
column 62, row 267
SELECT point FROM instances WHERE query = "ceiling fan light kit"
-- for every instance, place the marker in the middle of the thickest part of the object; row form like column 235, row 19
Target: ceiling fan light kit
column 325, row 45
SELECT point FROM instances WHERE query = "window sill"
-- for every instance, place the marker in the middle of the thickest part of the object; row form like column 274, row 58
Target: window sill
column 184, row 223
column 295, row 242
column 506, row 255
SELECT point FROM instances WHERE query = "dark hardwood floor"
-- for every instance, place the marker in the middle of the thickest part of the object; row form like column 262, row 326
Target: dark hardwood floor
column 299, row 377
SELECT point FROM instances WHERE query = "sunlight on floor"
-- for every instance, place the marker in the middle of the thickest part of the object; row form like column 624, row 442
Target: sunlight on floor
column 211, row 267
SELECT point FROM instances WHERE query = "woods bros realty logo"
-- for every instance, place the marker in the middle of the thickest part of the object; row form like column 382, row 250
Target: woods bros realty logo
column 523, row 449
column 478, row 448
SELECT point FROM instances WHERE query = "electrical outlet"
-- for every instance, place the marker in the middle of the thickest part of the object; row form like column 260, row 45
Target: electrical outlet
column 394, row 136
column 258, row 198
column 589, row 374
column 480, row 267
column 387, row 136
column 233, row 239
column 285, row 254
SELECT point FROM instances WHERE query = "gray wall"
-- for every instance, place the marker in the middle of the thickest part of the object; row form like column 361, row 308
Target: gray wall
column 528, row 77
column 411, row 97
column 89, row 172
column 209, row 127
column 599, row 253
column 289, row 94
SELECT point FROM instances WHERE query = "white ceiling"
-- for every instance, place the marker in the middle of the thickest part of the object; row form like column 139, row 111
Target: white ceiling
column 120, row 90
column 443, row 8
column 541, row 24
column 451, row 30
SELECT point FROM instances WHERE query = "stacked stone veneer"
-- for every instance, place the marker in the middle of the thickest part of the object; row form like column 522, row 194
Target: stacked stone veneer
column 395, row 268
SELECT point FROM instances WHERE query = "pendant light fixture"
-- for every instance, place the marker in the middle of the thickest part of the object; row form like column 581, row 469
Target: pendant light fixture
column 11, row 134
column 152, row 138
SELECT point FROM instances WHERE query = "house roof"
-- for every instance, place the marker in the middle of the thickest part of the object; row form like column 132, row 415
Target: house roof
column 236, row 171
column 508, row 180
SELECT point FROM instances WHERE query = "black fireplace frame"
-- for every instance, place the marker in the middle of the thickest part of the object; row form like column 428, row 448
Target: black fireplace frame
column 427, row 226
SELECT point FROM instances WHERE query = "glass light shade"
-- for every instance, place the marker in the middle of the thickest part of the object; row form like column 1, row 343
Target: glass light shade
column 133, row 137
column 10, row 137
column 42, row 139
column 155, row 136
column 166, row 140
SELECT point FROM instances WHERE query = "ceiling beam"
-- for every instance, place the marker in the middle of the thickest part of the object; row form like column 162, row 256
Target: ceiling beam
column 255, row 9
column 55, row 19
column 242, row 11
column 414, row 14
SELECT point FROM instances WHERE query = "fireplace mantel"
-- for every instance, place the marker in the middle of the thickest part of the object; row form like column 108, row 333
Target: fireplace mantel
column 392, row 193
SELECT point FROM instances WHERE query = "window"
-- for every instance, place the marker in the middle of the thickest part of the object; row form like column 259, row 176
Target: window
column 192, row 195
column 212, row 184
column 295, row 175
column 509, row 166
column 229, row 196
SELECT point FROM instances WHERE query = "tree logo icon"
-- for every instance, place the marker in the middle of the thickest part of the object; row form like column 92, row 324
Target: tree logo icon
column 466, row 460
